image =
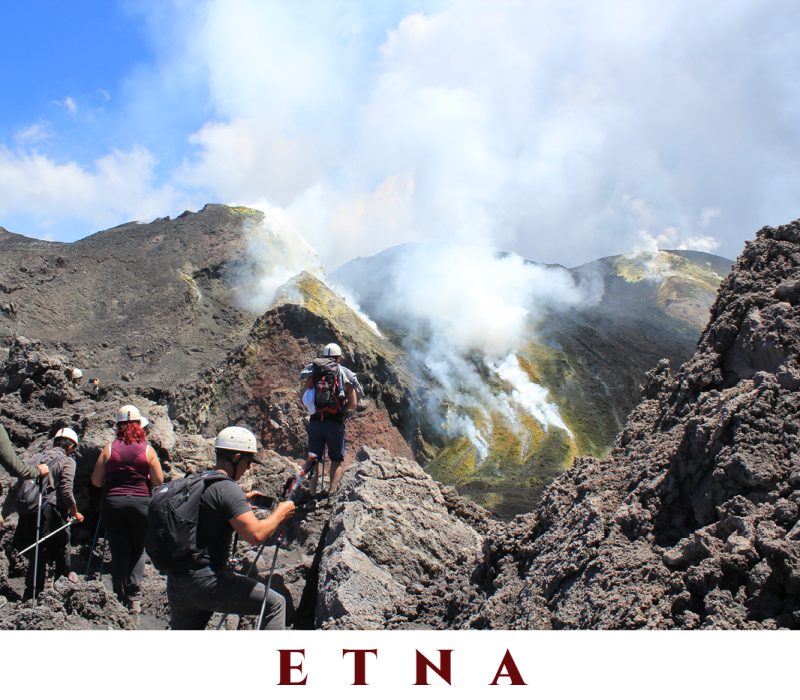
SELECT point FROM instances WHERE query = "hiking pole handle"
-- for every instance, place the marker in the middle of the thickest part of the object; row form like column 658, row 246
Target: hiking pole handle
column 48, row 536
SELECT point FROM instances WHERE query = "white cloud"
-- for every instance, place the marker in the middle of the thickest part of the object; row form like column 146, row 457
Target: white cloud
column 530, row 126
column 69, row 104
column 117, row 187
column 33, row 134
column 705, row 244
column 485, row 122
column 247, row 159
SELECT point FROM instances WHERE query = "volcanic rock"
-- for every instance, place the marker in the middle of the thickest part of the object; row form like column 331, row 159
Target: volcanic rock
column 391, row 532
column 133, row 300
column 692, row 520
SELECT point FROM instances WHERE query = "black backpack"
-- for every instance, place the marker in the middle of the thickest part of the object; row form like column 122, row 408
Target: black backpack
column 171, row 539
column 328, row 389
column 23, row 497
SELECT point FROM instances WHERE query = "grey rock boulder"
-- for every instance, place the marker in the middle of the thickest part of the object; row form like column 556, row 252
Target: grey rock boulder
column 391, row 533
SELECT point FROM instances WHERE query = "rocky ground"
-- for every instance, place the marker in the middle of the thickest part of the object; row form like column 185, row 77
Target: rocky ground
column 692, row 521
column 37, row 399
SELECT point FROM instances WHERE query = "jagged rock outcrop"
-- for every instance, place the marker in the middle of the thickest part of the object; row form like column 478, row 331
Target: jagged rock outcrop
column 68, row 605
column 693, row 519
column 392, row 532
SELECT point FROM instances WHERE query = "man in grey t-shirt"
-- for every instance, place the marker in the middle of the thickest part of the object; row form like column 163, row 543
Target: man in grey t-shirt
column 213, row 587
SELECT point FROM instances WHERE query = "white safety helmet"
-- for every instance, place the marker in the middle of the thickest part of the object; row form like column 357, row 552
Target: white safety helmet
column 237, row 439
column 76, row 373
column 129, row 414
column 67, row 433
column 144, row 422
column 332, row 350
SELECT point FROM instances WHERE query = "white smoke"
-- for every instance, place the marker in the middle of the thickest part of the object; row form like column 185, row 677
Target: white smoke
column 646, row 251
column 456, row 424
column 467, row 297
column 464, row 312
column 532, row 397
column 275, row 252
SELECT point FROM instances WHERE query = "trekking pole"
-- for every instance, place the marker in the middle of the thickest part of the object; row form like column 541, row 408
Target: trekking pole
column 49, row 535
column 269, row 579
column 292, row 494
column 38, row 533
column 91, row 549
column 233, row 548
column 298, row 480
column 103, row 553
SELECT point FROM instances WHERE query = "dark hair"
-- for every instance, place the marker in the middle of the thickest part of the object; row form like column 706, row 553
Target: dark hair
column 129, row 432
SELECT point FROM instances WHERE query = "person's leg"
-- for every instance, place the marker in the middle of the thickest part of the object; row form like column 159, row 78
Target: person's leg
column 137, row 530
column 58, row 546
column 184, row 612
column 241, row 595
column 316, row 445
column 25, row 535
column 46, row 550
column 334, row 437
column 116, row 527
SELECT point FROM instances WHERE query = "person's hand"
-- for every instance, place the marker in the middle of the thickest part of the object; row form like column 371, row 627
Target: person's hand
column 285, row 510
column 44, row 470
column 78, row 516
column 249, row 495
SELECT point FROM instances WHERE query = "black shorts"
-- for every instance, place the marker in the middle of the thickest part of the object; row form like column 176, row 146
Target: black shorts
column 330, row 433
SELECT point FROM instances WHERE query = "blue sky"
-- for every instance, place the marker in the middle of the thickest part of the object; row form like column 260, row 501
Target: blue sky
column 562, row 131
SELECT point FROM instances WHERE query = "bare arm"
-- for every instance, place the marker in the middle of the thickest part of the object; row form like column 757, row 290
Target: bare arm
column 99, row 471
column 255, row 531
column 352, row 397
column 156, row 475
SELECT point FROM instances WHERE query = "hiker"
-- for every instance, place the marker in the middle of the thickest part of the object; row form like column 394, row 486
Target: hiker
column 92, row 389
column 76, row 376
column 58, row 504
column 206, row 584
column 13, row 464
column 127, row 470
column 329, row 393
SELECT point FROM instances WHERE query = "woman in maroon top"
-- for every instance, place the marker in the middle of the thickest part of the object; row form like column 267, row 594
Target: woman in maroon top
column 127, row 470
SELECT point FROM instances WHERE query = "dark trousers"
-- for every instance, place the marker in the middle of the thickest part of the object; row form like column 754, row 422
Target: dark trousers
column 125, row 523
column 196, row 595
column 55, row 550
